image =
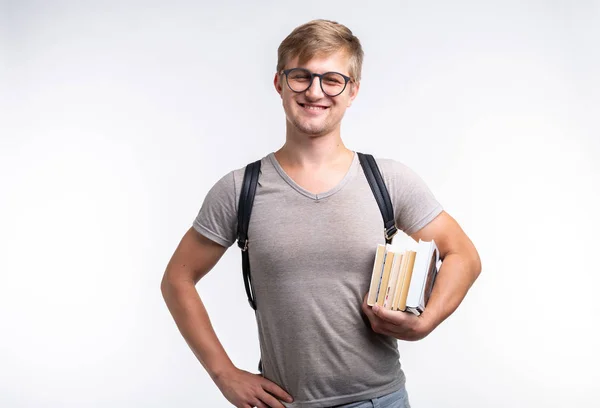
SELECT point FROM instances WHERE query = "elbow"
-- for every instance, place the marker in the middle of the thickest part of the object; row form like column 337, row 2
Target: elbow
column 173, row 282
column 165, row 286
column 476, row 266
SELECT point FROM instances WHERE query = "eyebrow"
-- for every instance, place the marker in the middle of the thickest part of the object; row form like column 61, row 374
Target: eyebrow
column 324, row 72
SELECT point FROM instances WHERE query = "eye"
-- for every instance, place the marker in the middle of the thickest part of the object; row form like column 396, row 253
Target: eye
column 299, row 75
column 333, row 79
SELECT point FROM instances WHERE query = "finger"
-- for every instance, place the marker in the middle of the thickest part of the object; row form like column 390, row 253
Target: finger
column 396, row 317
column 270, row 401
column 376, row 323
column 384, row 326
column 379, row 325
column 256, row 404
column 391, row 330
column 365, row 300
column 259, row 404
column 372, row 318
column 400, row 327
column 276, row 390
column 368, row 310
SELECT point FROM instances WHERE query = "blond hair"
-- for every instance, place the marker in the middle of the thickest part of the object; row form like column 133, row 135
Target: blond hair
column 321, row 37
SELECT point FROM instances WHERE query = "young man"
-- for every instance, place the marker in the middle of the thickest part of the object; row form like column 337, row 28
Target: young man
column 312, row 236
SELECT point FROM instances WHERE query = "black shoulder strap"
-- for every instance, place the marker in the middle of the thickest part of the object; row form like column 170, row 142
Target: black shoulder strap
column 380, row 192
column 244, row 210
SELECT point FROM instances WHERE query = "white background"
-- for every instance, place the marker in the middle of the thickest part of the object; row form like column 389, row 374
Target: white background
column 116, row 119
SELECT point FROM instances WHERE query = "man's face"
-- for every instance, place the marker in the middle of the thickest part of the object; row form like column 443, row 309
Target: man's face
column 312, row 112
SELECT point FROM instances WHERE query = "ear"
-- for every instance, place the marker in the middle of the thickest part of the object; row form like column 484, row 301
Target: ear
column 277, row 83
column 354, row 87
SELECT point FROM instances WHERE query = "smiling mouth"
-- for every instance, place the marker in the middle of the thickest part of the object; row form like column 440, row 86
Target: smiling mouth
column 313, row 107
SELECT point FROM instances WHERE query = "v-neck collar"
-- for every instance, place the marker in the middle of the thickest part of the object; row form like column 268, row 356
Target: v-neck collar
column 351, row 172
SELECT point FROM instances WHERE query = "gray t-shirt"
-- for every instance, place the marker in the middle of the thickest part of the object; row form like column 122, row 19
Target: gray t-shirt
column 311, row 258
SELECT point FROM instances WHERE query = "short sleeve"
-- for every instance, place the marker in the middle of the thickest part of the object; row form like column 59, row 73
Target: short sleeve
column 217, row 218
column 415, row 206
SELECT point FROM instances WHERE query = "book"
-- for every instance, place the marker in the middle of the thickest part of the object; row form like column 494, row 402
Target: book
column 382, row 268
column 406, row 281
column 376, row 274
column 424, row 273
column 400, row 281
column 389, row 295
column 390, row 253
column 403, row 278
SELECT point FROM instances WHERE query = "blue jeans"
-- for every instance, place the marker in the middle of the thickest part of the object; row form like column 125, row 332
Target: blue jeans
column 397, row 399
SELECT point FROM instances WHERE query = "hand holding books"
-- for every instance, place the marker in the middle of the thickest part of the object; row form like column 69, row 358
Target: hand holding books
column 401, row 325
column 402, row 280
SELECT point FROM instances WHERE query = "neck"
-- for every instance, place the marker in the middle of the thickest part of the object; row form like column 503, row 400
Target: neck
column 303, row 151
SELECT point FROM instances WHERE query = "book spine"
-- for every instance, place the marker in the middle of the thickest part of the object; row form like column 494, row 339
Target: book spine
column 407, row 280
column 391, row 287
column 387, row 266
column 401, row 276
column 376, row 274
column 385, row 255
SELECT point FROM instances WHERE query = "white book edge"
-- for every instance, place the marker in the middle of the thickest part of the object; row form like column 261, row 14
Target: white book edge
column 433, row 249
column 415, row 297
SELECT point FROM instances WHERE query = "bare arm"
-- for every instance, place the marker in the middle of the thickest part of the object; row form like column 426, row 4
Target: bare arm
column 195, row 256
column 460, row 268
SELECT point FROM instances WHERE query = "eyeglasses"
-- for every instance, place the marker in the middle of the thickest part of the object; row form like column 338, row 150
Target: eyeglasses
column 300, row 79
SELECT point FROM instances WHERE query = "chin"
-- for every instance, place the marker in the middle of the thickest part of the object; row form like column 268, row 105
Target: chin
column 313, row 131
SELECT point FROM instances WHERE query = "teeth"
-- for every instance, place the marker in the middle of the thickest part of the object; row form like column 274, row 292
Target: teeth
column 313, row 107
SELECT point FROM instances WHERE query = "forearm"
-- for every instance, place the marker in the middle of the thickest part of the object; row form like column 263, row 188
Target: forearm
column 457, row 274
column 193, row 322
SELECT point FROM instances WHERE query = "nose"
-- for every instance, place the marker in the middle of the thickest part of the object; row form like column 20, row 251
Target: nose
column 314, row 91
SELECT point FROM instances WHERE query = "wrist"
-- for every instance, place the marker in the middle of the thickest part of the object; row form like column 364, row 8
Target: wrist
column 220, row 372
column 428, row 322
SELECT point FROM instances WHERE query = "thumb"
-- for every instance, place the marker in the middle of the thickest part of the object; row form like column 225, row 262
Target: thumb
column 387, row 315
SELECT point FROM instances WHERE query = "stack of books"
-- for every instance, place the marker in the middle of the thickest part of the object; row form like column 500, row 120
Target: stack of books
column 403, row 278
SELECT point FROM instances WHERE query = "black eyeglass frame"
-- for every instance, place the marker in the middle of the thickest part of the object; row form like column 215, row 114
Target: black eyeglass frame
column 312, row 77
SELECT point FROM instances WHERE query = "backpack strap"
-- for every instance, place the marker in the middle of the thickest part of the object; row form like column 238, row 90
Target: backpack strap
column 380, row 192
column 244, row 211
